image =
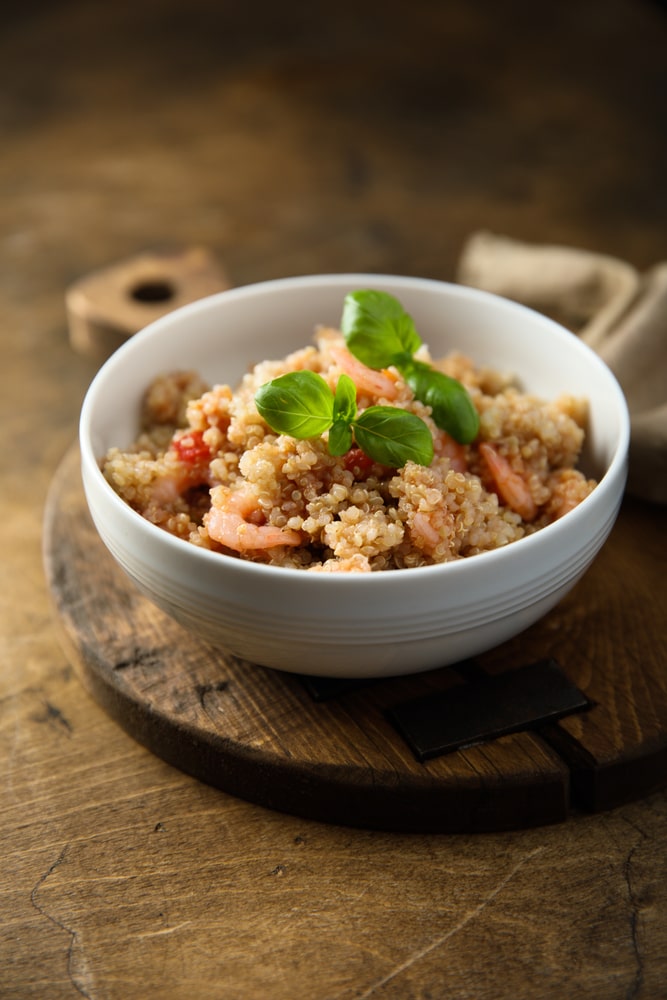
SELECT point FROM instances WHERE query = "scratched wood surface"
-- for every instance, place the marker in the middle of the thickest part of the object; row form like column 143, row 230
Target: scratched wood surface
column 259, row 734
column 378, row 143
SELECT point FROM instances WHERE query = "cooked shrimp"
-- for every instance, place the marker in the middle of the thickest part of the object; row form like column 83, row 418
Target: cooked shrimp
column 186, row 466
column 512, row 488
column 379, row 384
column 228, row 522
column 169, row 488
column 423, row 533
column 568, row 488
column 444, row 444
column 432, row 530
column 559, row 506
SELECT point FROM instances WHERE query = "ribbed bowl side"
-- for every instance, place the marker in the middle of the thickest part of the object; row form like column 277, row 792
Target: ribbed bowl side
column 335, row 638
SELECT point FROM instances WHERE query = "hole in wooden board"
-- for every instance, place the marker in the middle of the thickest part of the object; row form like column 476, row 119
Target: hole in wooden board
column 156, row 290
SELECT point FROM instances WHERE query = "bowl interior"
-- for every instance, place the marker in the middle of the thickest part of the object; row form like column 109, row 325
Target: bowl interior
column 222, row 336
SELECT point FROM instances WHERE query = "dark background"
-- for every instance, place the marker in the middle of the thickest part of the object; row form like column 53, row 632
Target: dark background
column 296, row 137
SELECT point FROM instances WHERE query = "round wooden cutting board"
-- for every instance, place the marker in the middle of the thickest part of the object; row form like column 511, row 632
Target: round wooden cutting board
column 275, row 739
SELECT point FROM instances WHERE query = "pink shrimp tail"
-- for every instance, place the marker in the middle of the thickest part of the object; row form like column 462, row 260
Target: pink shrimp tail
column 511, row 487
column 228, row 523
column 379, row 384
column 445, row 445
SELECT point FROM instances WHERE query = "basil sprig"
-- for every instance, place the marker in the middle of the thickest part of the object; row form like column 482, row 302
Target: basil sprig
column 380, row 333
column 302, row 405
column 297, row 404
column 377, row 330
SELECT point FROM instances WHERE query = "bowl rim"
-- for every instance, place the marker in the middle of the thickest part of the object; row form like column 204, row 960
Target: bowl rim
column 182, row 548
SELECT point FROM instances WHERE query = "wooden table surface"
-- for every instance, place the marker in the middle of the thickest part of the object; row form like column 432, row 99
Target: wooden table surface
column 367, row 137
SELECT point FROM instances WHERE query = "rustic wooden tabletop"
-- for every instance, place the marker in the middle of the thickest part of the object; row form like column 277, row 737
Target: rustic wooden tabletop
column 289, row 139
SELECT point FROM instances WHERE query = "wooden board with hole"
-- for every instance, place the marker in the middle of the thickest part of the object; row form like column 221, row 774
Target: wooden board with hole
column 106, row 307
column 259, row 734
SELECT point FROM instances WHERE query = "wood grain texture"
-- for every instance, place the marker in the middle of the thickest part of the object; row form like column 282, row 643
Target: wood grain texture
column 258, row 734
column 377, row 142
column 611, row 631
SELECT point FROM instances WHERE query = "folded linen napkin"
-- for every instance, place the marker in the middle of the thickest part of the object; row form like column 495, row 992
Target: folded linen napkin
column 619, row 312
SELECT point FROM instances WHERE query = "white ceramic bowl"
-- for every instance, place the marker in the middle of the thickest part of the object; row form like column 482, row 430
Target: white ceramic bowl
column 376, row 624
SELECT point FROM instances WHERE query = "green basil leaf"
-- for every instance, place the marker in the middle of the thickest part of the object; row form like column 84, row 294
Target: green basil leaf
column 393, row 437
column 345, row 400
column 340, row 437
column 299, row 404
column 452, row 408
column 377, row 330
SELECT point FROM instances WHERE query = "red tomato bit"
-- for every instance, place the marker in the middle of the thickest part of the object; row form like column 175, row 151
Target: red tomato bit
column 191, row 448
column 357, row 462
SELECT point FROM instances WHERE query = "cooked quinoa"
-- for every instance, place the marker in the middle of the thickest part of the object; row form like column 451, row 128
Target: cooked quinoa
column 207, row 468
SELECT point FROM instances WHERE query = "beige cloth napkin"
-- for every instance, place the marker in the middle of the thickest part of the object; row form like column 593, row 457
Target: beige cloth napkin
column 617, row 311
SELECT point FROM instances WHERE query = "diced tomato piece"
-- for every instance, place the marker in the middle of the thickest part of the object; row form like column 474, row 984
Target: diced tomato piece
column 191, row 448
column 358, row 462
